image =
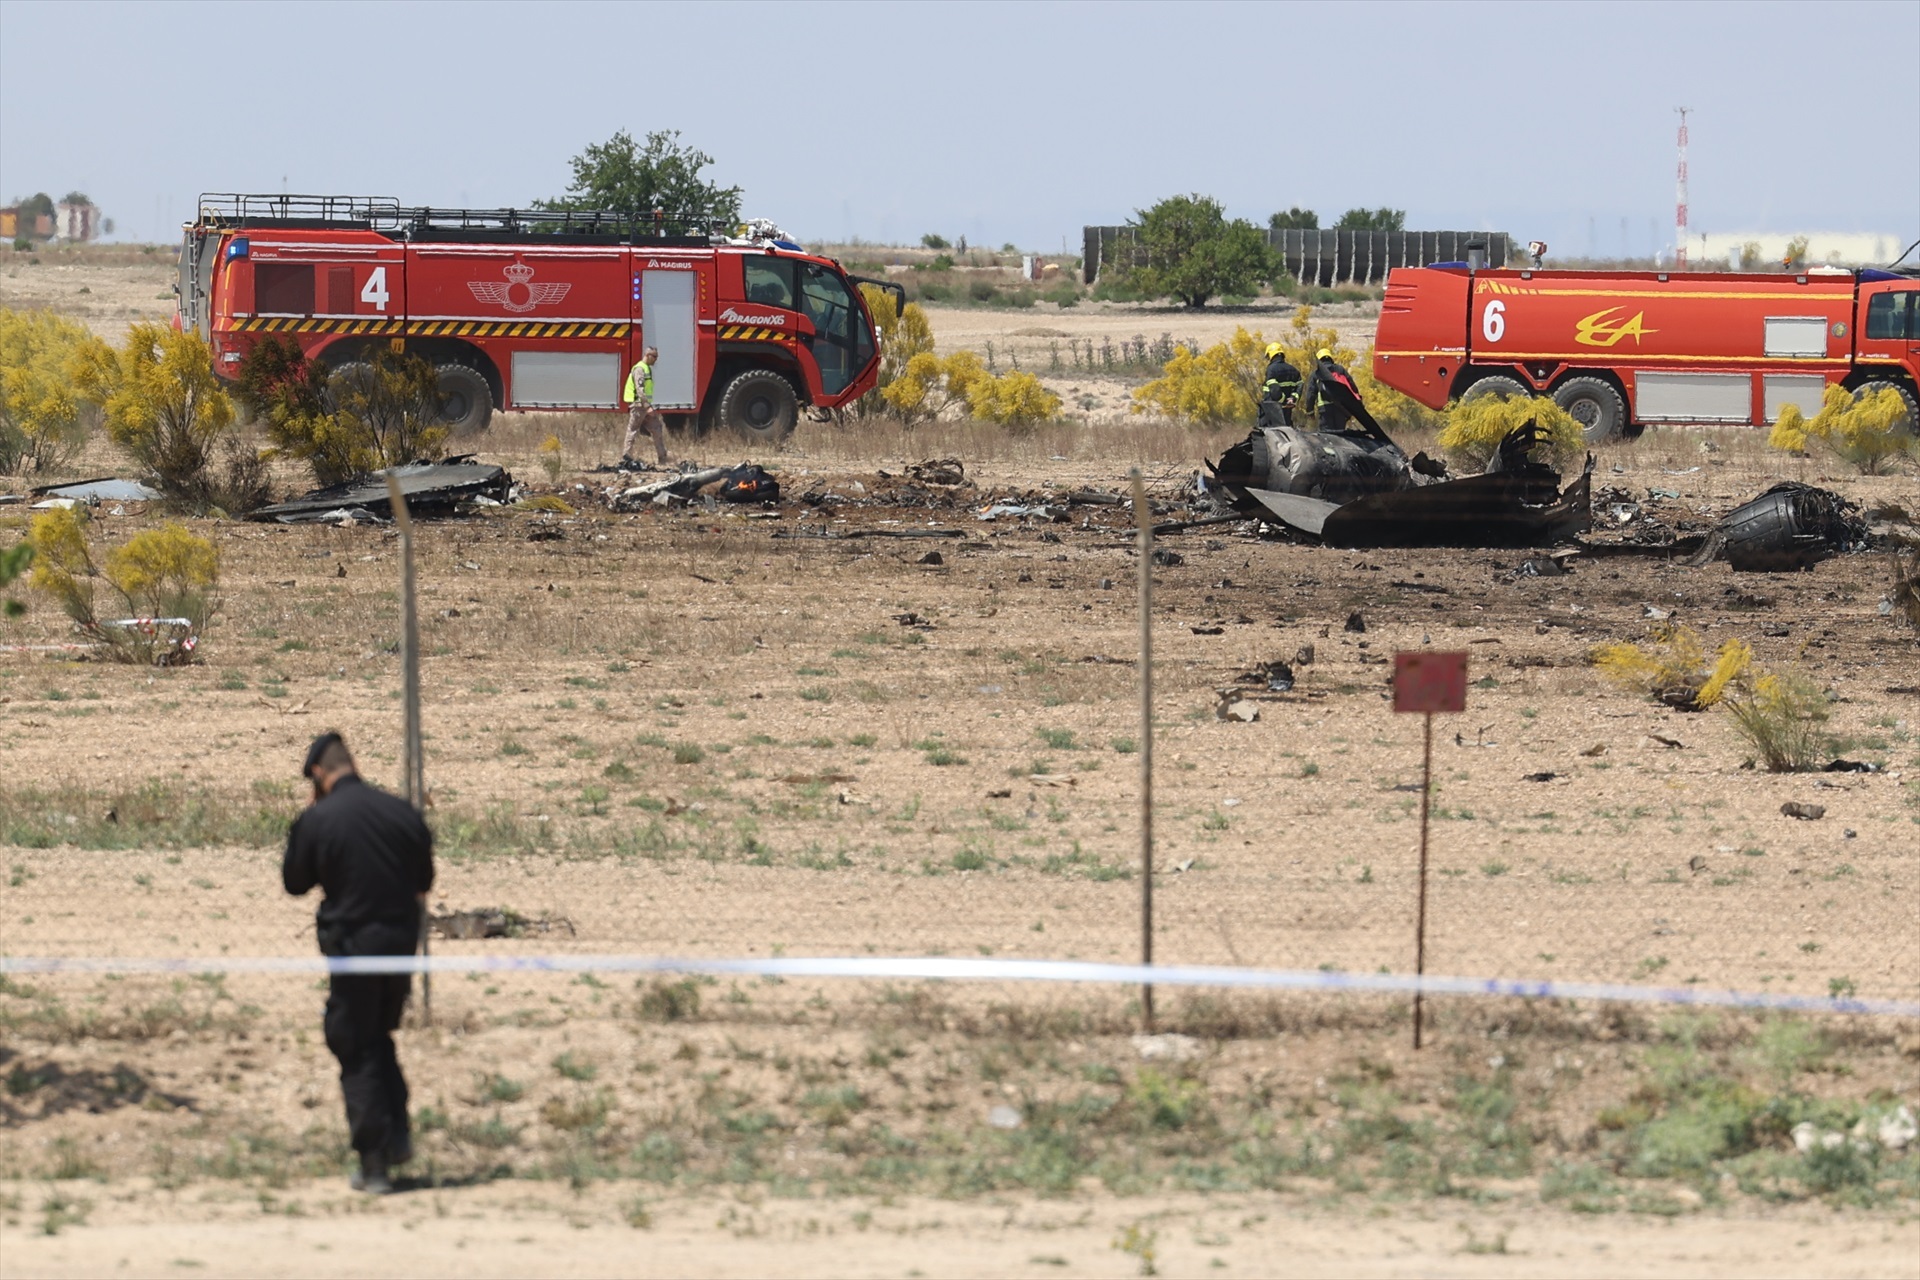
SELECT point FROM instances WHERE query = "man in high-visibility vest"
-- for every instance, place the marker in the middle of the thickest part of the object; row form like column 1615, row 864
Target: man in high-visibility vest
column 641, row 415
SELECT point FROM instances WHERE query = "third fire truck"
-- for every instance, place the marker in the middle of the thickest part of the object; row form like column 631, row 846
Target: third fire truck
column 536, row 309
column 1622, row 349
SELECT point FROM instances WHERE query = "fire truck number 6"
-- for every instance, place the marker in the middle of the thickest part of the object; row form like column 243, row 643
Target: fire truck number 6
column 1618, row 350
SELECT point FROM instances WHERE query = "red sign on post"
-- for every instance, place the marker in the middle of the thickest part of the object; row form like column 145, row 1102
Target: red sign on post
column 1426, row 681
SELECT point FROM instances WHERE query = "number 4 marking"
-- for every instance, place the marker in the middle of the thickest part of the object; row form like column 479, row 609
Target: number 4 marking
column 376, row 290
column 1493, row 321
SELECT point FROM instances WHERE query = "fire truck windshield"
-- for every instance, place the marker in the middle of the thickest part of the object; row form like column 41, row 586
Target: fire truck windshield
column 843, row 341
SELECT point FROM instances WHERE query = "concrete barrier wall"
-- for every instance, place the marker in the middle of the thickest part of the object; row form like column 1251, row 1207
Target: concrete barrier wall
column 1323, row 257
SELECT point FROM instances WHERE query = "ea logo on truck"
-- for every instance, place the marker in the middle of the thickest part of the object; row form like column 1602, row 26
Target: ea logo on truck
column 1598, row 331
column 519, row 294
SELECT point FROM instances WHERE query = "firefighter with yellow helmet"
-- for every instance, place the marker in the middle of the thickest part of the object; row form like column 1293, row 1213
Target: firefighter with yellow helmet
column 1281, row 386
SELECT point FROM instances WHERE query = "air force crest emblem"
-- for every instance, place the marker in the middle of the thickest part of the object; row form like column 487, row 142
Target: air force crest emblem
column 518, row 292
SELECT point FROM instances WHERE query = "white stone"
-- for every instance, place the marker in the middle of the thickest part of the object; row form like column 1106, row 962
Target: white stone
column 1170, row 1047
column 1897, row 1129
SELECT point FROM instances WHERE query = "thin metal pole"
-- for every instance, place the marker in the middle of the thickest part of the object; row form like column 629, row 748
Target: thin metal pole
column 414, row 763
column 1143, row 517
column 1420, row 923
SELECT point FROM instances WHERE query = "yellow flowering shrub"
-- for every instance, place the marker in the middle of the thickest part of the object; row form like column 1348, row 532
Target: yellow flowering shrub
column 1474, row 429
column 1868, row 430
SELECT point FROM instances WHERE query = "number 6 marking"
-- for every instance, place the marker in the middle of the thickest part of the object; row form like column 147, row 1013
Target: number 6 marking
column 376, row 290
column 1493, row 321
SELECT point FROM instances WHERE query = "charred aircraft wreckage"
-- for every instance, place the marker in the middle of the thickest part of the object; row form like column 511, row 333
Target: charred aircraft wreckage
column 1357, row 488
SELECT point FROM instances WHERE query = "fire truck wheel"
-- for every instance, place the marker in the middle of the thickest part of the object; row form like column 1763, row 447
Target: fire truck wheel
column 760, row 405
column 1596, row 405
column 466, row 402
column 1506, row 388
column 354, row 375
column 1866, row 389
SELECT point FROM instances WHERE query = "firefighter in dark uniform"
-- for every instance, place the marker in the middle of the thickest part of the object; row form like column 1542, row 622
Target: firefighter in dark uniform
column 1315, row 400
column 1280, row 388
column 373, row 855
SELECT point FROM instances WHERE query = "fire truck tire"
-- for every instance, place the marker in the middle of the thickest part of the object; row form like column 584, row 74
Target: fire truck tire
column 1596, row 405
column 355, row 373
column 1866, row 389
column 466, row 402
column 1506, row 388
column 760, row 406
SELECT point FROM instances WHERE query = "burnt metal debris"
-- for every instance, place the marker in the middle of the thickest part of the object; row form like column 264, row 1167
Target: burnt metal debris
column 1351, row 489
column 747, row 482
column 106, row 489
column 1790, row 526
column 453, row 487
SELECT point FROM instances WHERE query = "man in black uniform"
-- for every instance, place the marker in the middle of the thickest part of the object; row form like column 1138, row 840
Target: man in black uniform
column 373, row 855
column 1280, row 388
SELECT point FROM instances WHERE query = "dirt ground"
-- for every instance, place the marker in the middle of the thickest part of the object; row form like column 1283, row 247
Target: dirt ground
column 713, row 733
column 518, row 1230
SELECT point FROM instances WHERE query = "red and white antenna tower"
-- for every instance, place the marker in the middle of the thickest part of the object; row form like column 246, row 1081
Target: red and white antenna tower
column 1680, row 202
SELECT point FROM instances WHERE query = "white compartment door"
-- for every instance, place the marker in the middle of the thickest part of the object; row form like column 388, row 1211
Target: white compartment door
column 1796, row 336
column 1692, row 397
column 566, row 380
column 669, row 320
column 1802, row 389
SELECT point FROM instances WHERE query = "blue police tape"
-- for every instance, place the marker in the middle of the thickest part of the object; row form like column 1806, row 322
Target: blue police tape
column 961, row 970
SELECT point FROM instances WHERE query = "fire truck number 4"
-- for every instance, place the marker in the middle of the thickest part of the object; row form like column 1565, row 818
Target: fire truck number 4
column 375, row 294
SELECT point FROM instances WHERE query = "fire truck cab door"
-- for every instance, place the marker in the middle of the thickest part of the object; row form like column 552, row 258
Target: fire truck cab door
column 670, row 320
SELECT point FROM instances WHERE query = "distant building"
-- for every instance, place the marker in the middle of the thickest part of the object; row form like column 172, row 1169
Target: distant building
column 1831, row 248
column 14, row 223
column 76, row 221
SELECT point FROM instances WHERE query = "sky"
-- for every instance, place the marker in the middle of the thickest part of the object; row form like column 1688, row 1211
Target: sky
column 1000, row 122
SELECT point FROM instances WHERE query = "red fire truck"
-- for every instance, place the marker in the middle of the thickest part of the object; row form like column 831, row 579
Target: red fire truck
column 1621, row 349
column 536, row 309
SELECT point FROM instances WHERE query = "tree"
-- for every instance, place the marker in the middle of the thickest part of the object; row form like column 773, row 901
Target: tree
column 1193, row 252
column 1381, row 219
column 623, row 176
column 1295, row 219
column 37, row 205
column 75, row 197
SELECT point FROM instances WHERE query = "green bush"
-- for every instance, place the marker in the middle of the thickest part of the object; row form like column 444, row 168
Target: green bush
column 45, row 410
column 166, row 408
column 360, row 417
column 1781, row 717
column 1475, row 428
column 159, row 573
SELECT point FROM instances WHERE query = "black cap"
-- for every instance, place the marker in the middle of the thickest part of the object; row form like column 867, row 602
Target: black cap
column 317, row 750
